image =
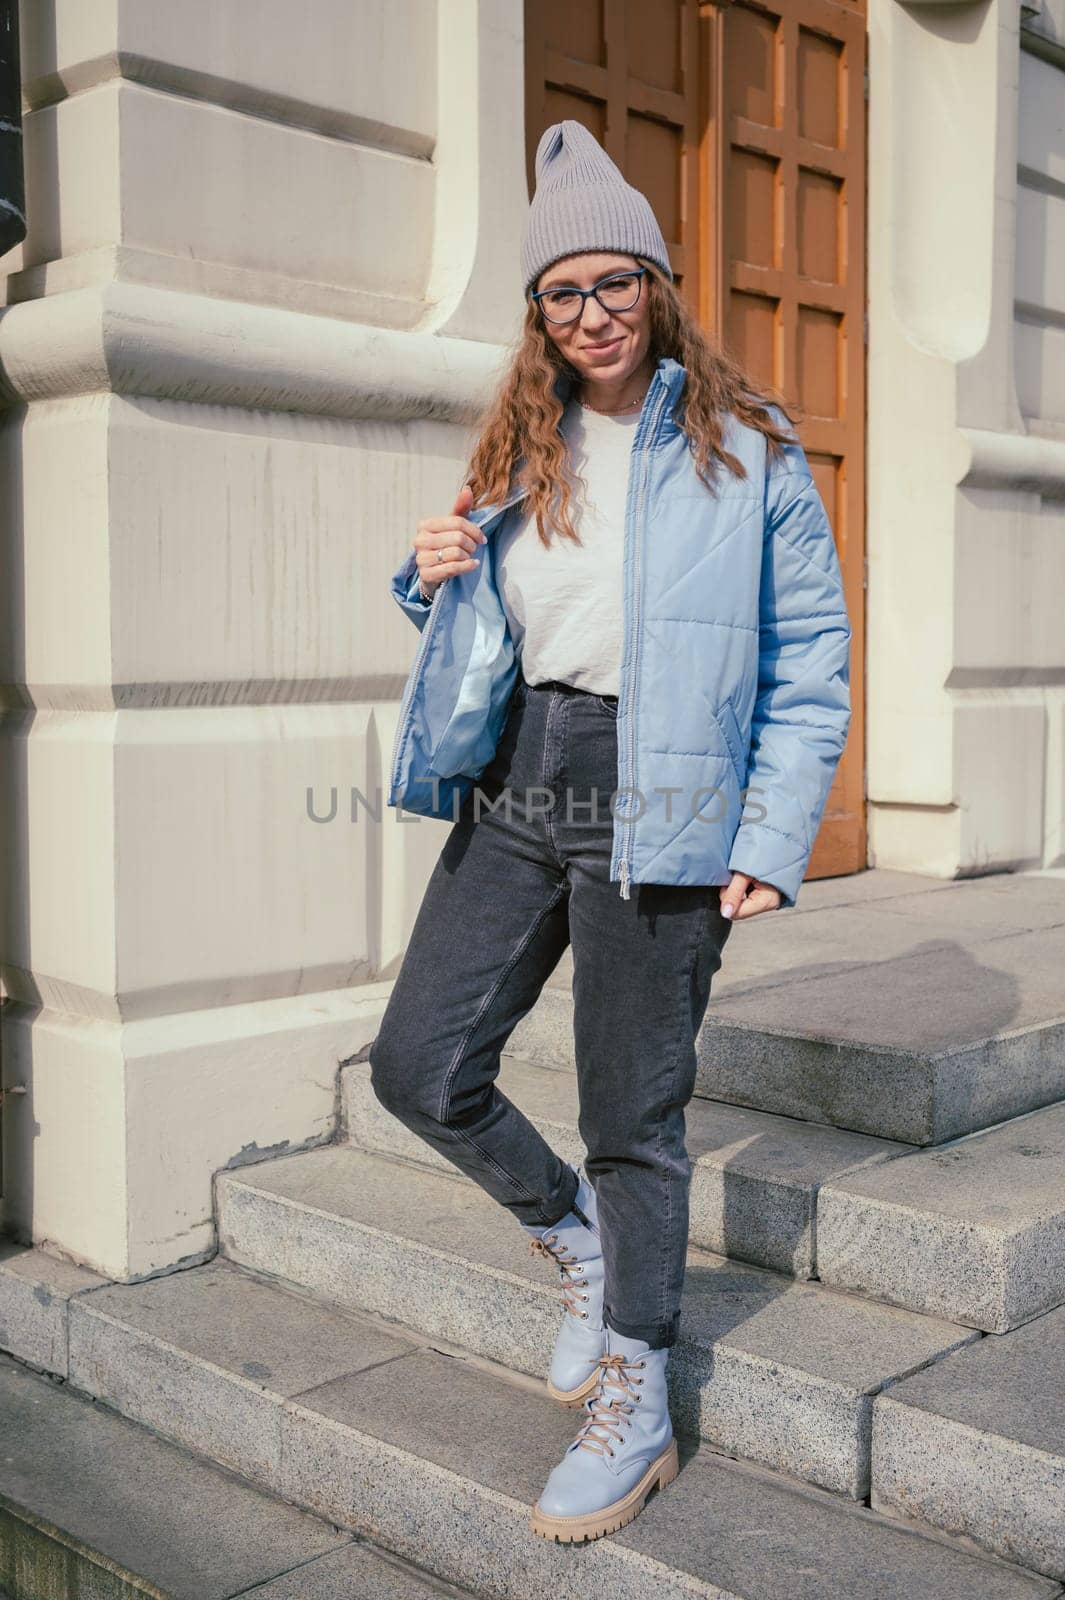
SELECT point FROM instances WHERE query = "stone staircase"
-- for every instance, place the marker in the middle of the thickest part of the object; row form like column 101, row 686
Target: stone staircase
column 872, row 1357
column 95, row 1507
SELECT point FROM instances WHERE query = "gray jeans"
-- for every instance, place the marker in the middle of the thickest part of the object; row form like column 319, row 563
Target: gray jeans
column 507, row 894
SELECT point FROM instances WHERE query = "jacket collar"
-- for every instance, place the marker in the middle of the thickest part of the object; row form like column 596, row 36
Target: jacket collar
column 670, row 372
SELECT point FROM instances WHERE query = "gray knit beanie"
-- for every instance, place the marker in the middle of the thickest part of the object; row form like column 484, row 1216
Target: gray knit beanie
column 582, row 202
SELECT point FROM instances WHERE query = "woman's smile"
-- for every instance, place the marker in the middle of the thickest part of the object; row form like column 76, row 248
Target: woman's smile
column 607, row 347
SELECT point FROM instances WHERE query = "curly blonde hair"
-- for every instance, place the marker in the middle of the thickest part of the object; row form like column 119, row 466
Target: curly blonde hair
column 518, row 432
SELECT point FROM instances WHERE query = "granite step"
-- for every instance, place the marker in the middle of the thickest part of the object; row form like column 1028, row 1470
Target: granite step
column 755, row 1177
column 958, row 1442
column 767, row 1368
column 93, row 1504
column 437, row 1455
column 973, row 1230
column 907, row 1009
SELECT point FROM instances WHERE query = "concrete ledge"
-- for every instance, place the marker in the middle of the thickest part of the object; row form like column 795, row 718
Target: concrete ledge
column 35, row 1293
column 908, row 1010
column 973, row 1231
column 126, row 338
column 218, row 1086
column 767, row 1369
column 157, row 1521
column 755, row 1177
column 1017, row 460
column 439, row 1456
column 976, row 1445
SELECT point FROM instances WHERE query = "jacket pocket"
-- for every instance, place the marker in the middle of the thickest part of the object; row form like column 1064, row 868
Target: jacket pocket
column 737, row 745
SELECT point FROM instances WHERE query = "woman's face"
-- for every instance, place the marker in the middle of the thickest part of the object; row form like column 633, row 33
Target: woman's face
column 604, row 346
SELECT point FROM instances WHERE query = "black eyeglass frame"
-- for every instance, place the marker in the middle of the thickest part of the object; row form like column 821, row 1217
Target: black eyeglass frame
column 639, row 273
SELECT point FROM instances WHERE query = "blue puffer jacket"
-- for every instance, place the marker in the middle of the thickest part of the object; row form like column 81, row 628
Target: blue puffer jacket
column 734, row 702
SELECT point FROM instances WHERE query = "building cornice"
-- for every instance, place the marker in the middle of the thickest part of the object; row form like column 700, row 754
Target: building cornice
column 1015, row 461
column 133, row 339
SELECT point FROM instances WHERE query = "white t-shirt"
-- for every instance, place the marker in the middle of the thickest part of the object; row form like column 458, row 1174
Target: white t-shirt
column 564, row 603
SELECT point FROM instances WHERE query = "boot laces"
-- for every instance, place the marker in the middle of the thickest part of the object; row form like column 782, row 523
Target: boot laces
column 568, row 1266
column 607, row 1416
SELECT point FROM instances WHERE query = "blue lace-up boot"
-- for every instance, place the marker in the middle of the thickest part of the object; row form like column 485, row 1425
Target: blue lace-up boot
column 623, row 1449
column 572, row 1244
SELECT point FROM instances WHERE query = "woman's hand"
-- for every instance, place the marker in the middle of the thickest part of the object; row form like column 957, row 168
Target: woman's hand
column 454, row 536
column 746, row 897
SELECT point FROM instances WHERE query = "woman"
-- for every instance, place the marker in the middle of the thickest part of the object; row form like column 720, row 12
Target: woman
column 631, row 701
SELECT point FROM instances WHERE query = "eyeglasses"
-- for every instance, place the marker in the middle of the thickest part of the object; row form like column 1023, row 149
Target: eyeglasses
column 619, row 292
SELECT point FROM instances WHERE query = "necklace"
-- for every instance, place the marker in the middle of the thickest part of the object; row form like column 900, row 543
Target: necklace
column 626, row 407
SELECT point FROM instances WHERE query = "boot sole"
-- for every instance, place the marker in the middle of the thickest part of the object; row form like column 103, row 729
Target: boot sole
column 574, row 1397
column 567, row 1530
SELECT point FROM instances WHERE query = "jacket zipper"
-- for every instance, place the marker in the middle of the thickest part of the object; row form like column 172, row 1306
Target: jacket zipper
column 630, row 764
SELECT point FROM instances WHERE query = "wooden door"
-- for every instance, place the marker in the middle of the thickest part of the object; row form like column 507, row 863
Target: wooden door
column 744, row 124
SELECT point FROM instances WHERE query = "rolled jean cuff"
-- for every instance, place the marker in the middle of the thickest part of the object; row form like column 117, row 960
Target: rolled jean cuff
column 658, row 1335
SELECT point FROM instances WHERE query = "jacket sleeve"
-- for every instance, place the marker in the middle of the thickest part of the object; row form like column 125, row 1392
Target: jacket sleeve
column 405, row 592
column 802, row 705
